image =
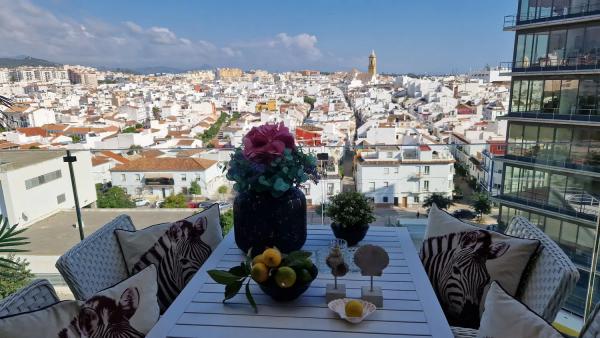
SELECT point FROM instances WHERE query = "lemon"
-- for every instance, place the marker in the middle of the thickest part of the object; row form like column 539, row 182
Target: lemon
column 271, row 258
column 260, row 272
column 257, row 259
column 304, row 276
column 285, row 277
column 354, row 308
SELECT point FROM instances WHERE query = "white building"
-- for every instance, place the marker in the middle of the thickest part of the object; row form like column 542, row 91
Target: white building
column 36, row 185
column 404, row 175
column 164, row 176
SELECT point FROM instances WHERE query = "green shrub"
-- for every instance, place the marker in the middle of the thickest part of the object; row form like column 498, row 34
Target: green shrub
column 350, row 209
column 12, row 280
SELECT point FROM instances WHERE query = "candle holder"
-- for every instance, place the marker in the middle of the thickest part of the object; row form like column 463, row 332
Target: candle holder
column 372, row 260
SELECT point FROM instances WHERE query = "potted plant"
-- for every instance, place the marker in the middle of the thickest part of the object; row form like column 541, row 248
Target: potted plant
column 269, row 209
column 351, row 213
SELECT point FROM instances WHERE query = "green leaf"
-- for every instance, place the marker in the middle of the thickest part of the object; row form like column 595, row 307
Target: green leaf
column 232, row 289
column 262, row 180
column 223, row 277
column 239, row 270
column 250, row 298
column 280, row 185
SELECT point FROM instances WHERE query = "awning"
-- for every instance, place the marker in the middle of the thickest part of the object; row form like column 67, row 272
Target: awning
column 158, row 175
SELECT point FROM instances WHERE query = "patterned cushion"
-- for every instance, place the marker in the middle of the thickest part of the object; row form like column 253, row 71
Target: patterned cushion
column 461, row 260
column 177, row 250
column 128, row 309
column 504, row 316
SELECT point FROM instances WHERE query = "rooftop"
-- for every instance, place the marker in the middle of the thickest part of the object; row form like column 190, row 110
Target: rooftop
column 166, row 164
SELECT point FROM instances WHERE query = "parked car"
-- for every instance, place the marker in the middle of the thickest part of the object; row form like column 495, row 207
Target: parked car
column 141, row 202
column 464, row 214
column 206, row 204
column 224, row 205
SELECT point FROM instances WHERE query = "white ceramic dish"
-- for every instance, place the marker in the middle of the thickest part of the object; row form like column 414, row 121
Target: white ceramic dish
column 339, row 306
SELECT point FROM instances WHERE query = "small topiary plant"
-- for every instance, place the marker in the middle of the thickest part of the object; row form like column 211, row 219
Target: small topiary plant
column 350, row 209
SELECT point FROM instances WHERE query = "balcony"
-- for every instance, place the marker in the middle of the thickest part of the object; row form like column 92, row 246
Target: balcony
column 541, row 16
column 580, row 64
column 581, row 118
column 54, row 229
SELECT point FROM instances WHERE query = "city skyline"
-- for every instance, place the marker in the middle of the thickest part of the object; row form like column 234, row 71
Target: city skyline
column 434, row 38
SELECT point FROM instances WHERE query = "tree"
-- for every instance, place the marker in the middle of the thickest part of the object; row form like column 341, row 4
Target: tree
column 114, row 197
column 156, row 113
column 195, row 188
column 14, row 278
column 131, row 129
column 222, row 190
column 310, row 100
column 440, row 200
column 227, row 221
column 134, row 149
column 482, row 204
column 175, row 201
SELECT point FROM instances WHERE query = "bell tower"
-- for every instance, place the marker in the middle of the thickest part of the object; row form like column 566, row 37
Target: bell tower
column 372, row 64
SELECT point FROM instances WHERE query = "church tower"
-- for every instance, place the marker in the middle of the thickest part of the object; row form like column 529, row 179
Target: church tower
column 372, row 64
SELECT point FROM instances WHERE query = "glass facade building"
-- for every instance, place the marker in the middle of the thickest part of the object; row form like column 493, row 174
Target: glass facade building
column 551, row 170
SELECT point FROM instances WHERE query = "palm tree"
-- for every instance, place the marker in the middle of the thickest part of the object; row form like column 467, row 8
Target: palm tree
column 9, row 241
column 440, row 200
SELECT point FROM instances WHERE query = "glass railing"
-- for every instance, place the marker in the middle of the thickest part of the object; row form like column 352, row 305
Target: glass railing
column 156, row 185
column 581, row 115
column 546, row 12
column 572, row 63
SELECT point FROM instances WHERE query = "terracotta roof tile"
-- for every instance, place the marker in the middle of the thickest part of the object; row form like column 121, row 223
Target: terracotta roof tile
column 166, row 164
column 114, row 156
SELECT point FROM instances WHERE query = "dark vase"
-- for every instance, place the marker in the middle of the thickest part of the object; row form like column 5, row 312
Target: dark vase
column 352, row 234
column 261, row 221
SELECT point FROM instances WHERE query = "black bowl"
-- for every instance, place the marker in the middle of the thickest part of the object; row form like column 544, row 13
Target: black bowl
column 287, row 294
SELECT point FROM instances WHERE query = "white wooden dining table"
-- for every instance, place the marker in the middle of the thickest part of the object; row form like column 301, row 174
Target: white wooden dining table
column 410, row 307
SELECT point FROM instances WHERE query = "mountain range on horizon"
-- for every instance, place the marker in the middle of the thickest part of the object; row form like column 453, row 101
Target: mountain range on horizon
column 25, row 60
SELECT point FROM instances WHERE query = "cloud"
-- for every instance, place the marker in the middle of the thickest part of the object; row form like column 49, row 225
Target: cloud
column 36, row 31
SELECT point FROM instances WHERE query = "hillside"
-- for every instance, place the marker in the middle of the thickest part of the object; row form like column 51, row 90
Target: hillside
column 25, row 61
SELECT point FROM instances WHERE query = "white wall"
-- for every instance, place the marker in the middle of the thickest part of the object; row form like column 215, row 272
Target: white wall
column 25, row 206
column 405, row 180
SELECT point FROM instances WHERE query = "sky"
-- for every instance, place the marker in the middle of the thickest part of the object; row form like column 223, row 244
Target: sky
column 419, row 36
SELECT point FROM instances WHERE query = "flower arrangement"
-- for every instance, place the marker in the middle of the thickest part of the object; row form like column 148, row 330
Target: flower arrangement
column 270, row 162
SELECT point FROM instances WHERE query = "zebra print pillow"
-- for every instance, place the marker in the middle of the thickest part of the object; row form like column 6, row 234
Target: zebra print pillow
column 35, row 323
column 505, row 316
column 126, row 310
column 177, row 250
column 461, row 260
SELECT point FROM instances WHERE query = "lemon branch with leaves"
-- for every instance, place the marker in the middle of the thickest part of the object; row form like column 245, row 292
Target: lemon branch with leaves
column 270, row 264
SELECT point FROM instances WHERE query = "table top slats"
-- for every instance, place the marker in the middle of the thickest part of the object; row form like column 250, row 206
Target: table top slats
column 193, row 331
column 410, row 305
column 302, row 324
column 269, row 310
column 314, row 302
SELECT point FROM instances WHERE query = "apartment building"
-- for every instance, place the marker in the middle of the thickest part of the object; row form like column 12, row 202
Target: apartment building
column 552, row 162
column 164, row 176
column 35, row 187
column 404, row 175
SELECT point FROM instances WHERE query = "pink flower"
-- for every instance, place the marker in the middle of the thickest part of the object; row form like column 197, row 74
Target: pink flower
column 265, row 143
